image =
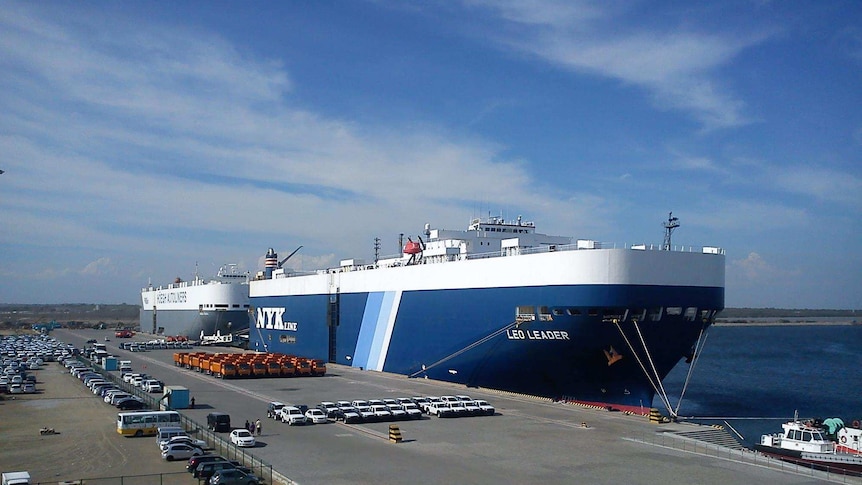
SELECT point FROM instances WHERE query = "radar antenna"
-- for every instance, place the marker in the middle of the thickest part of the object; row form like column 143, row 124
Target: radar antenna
column 671, row 224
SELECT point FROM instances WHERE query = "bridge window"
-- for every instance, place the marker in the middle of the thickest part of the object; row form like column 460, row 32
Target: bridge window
column 573, row 311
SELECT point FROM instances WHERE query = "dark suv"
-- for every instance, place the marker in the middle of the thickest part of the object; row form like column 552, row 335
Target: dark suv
column 205, row 470
column 233, row 477
column 218, row 422
column 197, row 460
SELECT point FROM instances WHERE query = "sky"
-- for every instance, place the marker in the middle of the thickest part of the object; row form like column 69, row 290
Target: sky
column 144, row 141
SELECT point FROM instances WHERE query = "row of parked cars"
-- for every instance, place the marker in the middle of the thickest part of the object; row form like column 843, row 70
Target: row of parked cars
column 154, row 345
column 103, row 387
column 377, row 410
column 175, row 444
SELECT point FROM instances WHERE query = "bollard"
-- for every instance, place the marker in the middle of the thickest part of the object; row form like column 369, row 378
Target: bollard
column 394, row 433
column 655, row 416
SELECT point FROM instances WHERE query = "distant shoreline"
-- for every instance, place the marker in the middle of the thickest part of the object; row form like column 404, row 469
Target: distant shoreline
column 776, row 323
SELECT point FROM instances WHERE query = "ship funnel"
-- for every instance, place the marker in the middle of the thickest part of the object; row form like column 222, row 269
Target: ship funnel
column 270, row 264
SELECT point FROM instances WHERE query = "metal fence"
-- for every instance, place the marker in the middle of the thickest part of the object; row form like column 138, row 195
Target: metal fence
column 746, row 456
column 174, row 478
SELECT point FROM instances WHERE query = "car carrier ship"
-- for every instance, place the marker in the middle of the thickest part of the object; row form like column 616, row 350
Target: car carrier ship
column 199, row 307
column 501, row 306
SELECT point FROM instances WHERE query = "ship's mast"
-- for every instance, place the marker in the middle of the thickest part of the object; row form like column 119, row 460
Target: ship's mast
column 671, row 224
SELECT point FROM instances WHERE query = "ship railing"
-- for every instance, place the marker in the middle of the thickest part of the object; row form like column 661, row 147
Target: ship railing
column 522, row 251
column 598, row 245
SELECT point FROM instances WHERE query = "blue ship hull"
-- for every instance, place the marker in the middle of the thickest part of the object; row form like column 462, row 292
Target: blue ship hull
column 569, row 347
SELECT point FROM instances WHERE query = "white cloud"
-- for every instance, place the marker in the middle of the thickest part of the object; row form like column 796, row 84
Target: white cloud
column 754, row 269
column 127, row 139
column 678, row 68
column 821, row 183
column 99, row 267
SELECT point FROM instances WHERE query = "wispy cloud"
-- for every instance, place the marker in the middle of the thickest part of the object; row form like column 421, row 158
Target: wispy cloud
column 118, row 139
column 822, row 184
column 99, row 267
column 679, row 68
column 754, row 270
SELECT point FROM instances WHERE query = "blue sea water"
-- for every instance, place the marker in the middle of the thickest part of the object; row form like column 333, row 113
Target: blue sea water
column 768, row 372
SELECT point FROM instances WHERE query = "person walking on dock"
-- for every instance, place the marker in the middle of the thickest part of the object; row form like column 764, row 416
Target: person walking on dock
column 248, row 425
column 257, row 426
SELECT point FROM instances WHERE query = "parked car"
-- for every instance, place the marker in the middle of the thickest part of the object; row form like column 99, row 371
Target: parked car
column 365, row 412
column 152, row 385
column 328, row 408
column 130, row 403
column 398, row 414
column 412, row 410
column 233, row 477
column 117, row 397
column 206, row 470
column 188, row 440
column 484, row 407
column 441, row 409
column 316, row 416
column 292, row 415
column 273, row 409
column 348, row 414
column 242, row 437
column 180, row 451
column 381, row 412
column 194, row 461
column 426, row 402
column 218, row 422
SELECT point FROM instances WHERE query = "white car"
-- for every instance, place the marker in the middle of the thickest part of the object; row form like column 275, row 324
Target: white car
column 188, row 440
column 117, row 397
column 484, row 407
column 428, row 401
column 292, row 415
column 440, row 409
column 181, row 451
column 412, row 410
column 316, row 416
column 128, row 377
column 152, row 385
column 242, row 437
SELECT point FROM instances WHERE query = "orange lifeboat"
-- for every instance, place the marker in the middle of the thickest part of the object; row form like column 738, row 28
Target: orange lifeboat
column 412, row 247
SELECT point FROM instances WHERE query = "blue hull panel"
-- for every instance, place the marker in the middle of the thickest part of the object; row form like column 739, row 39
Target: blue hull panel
column 568, row 349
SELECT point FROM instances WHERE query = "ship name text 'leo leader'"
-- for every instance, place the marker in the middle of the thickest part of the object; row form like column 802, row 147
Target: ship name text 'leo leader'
column 503, row 307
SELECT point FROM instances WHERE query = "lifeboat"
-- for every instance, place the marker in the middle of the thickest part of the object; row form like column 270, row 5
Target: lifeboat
column 412, row 247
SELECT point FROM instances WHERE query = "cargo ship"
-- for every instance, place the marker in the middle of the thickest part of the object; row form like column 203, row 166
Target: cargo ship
column 501, row 306
column 197, row 307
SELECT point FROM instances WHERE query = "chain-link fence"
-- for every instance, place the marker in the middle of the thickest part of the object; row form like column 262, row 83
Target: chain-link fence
column 174, row 478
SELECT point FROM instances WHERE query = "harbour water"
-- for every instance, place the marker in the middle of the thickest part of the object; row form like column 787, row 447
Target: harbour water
column 754, row 377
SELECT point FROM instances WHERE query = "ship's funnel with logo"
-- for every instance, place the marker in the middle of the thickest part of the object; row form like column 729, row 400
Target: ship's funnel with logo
column 270, row 264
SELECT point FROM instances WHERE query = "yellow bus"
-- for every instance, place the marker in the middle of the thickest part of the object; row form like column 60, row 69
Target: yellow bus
column 140, row 423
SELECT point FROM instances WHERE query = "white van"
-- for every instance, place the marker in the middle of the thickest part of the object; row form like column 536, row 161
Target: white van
column 164, row 434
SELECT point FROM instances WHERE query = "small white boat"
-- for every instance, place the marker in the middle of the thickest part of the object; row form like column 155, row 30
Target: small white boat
column 805, row 443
